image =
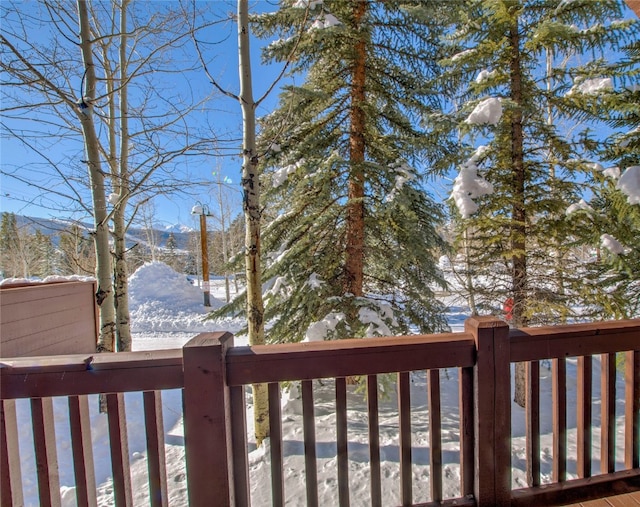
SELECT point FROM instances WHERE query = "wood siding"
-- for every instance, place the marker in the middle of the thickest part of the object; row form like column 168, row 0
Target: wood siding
column 47, row 319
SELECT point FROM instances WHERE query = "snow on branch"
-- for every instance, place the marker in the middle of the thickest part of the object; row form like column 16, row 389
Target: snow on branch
column 613, row 245
column 629, row 184
column 489, row 111
column 582, row 205
column 469, row 185
column 592, row 86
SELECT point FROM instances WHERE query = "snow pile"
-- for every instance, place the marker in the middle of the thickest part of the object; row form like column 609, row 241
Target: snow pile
column 279, row 284
column 318, row 331
column 314, row 281
column 489, row 111
column 468, row 185
column 592, row 86
column 326, row 21
column 374, row 314
column 629, row 184
column 161, row 299
column 485, row 75
column 281, row 175
column 404, row 174
column 303, row 4
column 612, row 244
column 612, row 172
column 376, row 319
column 581, row 205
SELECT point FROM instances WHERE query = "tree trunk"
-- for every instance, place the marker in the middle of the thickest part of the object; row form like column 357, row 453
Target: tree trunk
column 123, row 328
column 104, row 294
column 252, row 214
column 518, row 222
column 354, row 265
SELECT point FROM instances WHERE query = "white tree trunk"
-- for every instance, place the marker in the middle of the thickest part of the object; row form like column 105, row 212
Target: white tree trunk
column 123, row 328
column 251, row 206
column 104, row 295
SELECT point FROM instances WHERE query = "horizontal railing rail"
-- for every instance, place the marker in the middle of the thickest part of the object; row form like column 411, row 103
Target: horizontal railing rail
column 550, row 342
column 345, row 358
column 78, row 374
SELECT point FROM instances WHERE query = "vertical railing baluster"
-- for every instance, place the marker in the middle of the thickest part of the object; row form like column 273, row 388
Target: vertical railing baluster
column 309, row 429
column 10, row 473
column 584, row 413
column 82, row 450
column 119, row 445
column 374, row 440
column 239, row 446
column 44, row 440
column 404, row 415
column 467, row 470
column 532, row 422
column 632, row 409
column 342, row 442
column 275, row 437
column 156, row 458
column 435, row 436
column 559, row 395
column 608, row 415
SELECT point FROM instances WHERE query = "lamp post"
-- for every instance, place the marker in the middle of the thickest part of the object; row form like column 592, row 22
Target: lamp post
column 203, row 211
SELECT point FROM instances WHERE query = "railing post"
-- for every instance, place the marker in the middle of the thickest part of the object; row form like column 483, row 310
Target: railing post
column 207, row 420
column 492, row 414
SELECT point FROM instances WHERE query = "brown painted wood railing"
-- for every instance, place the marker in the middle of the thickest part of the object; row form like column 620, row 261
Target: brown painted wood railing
column 581, row 341
column 213, row 374
column 347, row 358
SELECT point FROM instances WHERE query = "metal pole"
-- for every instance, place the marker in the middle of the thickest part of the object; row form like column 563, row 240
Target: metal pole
column 205, row 258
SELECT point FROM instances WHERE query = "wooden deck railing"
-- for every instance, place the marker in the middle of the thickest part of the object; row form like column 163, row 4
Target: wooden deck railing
column 581, row 341
column 213, row 375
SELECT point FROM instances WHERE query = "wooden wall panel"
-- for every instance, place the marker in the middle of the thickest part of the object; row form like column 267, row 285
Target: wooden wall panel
column 48, row 319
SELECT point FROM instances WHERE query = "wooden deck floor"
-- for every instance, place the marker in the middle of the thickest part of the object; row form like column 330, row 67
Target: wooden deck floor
column 626, row 500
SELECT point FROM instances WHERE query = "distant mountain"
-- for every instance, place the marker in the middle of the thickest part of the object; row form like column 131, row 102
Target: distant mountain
column 54, row 226
column 174, row 228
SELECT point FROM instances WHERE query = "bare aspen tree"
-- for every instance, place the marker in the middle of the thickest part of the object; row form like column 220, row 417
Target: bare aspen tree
column 251, row 207
column 224, row 219
column 251, row 199
column 132, row 153
column 121, row 188
column 104, row 295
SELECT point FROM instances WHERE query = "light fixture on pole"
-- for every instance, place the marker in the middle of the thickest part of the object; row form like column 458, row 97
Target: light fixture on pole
column 203, row 211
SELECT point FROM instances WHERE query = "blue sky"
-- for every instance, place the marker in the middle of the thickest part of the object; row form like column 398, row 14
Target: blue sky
column 223, row 118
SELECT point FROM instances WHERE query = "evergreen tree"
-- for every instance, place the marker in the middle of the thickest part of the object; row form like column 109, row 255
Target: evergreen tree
column 612, row 217
column 46, row 261
column 9, row 245
column 522, row 67
column 76, row 252
column 24, row 253
column 171, row 256
column 351, row 234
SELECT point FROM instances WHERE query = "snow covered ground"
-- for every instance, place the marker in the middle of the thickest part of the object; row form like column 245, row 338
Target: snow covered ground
column 166, row 311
